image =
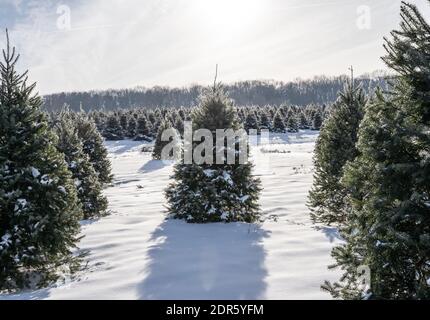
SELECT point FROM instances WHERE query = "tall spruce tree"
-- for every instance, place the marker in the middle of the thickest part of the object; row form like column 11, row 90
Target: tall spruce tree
column 94, row 204
column 39, row 211
column 203, row 193
column 335, row 146
column 389, row 228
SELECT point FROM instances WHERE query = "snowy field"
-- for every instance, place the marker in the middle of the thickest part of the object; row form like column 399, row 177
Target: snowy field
column 136, row 254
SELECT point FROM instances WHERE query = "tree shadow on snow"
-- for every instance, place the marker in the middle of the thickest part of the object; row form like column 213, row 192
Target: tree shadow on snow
column 331, row 233
column 27, row 295
column 205, row 261
column 121, row 146
column 293, row 137
column 154, row 165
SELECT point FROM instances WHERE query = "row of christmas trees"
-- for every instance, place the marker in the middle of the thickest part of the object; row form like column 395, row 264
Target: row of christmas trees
column 143, row 123
column 372, row 175
column 51, row 177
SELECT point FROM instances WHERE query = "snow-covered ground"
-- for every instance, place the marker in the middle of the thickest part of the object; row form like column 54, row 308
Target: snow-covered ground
column 136, row 254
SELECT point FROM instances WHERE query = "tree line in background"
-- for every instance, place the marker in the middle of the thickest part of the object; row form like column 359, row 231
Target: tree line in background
column 320, row 90
column 144, row 124
column 372, row 175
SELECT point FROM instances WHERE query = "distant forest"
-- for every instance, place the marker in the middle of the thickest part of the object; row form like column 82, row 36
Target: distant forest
column 319, row 90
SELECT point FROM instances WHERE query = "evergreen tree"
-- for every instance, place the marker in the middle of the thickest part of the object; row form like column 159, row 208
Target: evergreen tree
column 143, row 130
column 87, row 184
column 292, row 124
column 303, row 123
column 251, row 122
column 123, row 121
column 265, row 121
column 132, row 127
column 94, row 147
column 214, row 192
column 272, row 112
column 181, row 113
column 335, row 146
column 97, row 118
column 288, row 113
column 113, row 130
column 317, row 121
column 241, row 115
column 278, row 123
column 179, row 125
column 389, row 227
column 39, row 211
column 159, row 144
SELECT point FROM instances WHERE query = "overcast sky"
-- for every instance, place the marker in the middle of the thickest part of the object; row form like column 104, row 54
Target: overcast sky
column 97, row 44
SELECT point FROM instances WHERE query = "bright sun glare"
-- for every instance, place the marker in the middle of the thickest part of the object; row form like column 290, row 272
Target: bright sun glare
column 228, row 16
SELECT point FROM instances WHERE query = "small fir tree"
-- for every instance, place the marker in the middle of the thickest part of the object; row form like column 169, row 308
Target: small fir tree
column 132, row 127
column 251, row 121
column 179, row 125
column 317, row 121
column 265, row 121
column 292, row 124
column 214, row 192
column 123, row 121
column 303, row 122
column 142, row 130
column 278, row 123
column 113, row 130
